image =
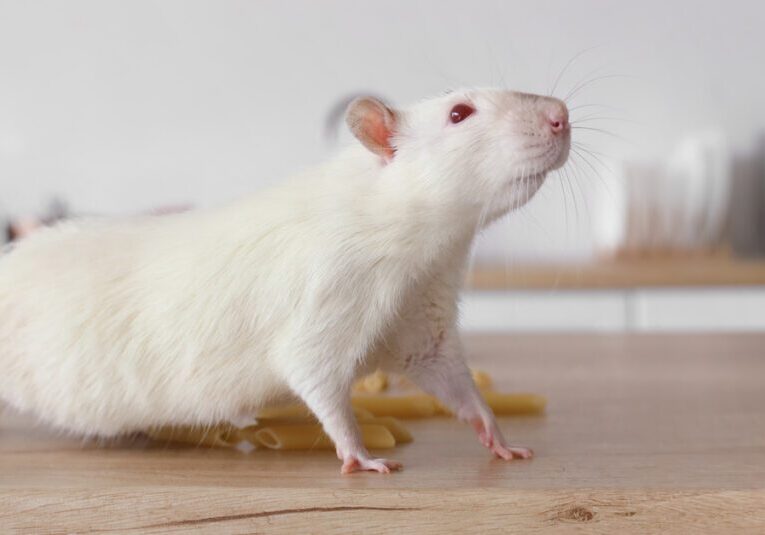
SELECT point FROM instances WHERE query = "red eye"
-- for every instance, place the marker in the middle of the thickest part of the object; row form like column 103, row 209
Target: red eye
column 460, row 112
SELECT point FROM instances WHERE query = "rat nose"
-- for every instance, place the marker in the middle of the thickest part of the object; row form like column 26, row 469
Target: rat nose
column 556, row 115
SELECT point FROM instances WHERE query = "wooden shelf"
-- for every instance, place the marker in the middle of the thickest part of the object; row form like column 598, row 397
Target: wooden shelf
column 643, row 434
column 653, row 272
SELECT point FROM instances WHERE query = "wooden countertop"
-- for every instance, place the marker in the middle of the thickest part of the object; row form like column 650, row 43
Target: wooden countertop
column 643, row 434
column 621, row 273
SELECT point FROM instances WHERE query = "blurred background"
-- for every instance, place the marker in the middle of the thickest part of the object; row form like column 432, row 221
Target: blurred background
column 657, row 222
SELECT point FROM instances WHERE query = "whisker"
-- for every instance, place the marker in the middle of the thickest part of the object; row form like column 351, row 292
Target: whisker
column 577, row 150
column 580, row 106
column 591, row 81
column 588, row 149
column 568, row 64
column 596, row 173
column 559, row 172
column 591, row 118
column 600, row 130
column 582, row 80
column 580, row 175
column 573, row 195
column 577, row 188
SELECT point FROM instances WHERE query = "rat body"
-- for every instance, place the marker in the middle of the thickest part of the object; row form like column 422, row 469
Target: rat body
column 108, row 327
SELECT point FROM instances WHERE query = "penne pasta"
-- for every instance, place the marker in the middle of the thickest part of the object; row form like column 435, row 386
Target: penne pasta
column 506, row 404
column 396, row 428
column 373, row 383
column 312, row 437
column 294, row 426
column 399, row 432
column 282, row 412
column 515, row 404
column 362, row 414
column 219, row 436
column 248, row 433
column 481, row 379
column 412, row 406
column 299, row 412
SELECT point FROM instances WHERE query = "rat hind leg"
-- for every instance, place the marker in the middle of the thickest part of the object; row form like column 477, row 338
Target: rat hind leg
column 442, row 371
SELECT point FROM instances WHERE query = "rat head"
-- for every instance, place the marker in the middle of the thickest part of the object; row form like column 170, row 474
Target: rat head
column 488, row 149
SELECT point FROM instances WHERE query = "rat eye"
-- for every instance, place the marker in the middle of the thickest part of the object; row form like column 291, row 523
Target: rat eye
column 460, row 112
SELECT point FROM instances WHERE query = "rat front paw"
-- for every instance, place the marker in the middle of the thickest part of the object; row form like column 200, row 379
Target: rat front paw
column 358, row 464
column 492, row 439
column 509, row 453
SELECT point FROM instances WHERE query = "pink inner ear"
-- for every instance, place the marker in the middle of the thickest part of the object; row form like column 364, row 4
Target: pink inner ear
column 379, row 133
column 374, row 124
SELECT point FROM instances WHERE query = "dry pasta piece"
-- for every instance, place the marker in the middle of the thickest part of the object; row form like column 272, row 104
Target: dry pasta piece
column 362, row 414
column 396, row 428
column 293, row 414
column 291, row 411
column 219, row 436
column 312, row 437
column 482, row 379
column 248, row 433
column 399, row 432
column 299, row 412
column 413, row 406
column 374, row 383
column 505, row 404
column 514, row 404
column 441, row 409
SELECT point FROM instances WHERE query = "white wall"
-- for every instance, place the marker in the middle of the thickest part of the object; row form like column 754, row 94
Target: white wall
column 120, row 106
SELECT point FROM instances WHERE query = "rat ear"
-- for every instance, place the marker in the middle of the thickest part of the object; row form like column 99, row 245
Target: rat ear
column 373, row 123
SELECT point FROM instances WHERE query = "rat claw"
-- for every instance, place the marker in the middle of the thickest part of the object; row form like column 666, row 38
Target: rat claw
column 356, row 464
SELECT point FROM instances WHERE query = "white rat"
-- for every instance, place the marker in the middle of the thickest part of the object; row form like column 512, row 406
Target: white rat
column 195, row 318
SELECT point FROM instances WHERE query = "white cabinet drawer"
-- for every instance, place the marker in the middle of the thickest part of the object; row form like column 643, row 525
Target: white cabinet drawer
column 715, row 309
column 659, row 309
column 543, row 310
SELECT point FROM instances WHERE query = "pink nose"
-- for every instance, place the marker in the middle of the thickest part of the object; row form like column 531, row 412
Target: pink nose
column 556, row 114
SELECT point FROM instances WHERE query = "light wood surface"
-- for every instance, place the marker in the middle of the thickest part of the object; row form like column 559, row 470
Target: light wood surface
column 621, row 273
column 643, row 434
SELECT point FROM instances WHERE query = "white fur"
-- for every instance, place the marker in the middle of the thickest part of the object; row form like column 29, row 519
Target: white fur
column 113, row 326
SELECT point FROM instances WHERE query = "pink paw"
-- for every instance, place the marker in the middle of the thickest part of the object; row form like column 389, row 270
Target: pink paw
column 511, row 452
column 497, row 447
column 356, row 464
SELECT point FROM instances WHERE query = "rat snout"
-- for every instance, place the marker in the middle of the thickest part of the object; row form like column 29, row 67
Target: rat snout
column 555, row 115
column 551, row 131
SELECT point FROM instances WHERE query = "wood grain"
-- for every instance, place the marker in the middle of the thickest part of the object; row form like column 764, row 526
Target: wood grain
column 622, row 273
column 643, row 434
